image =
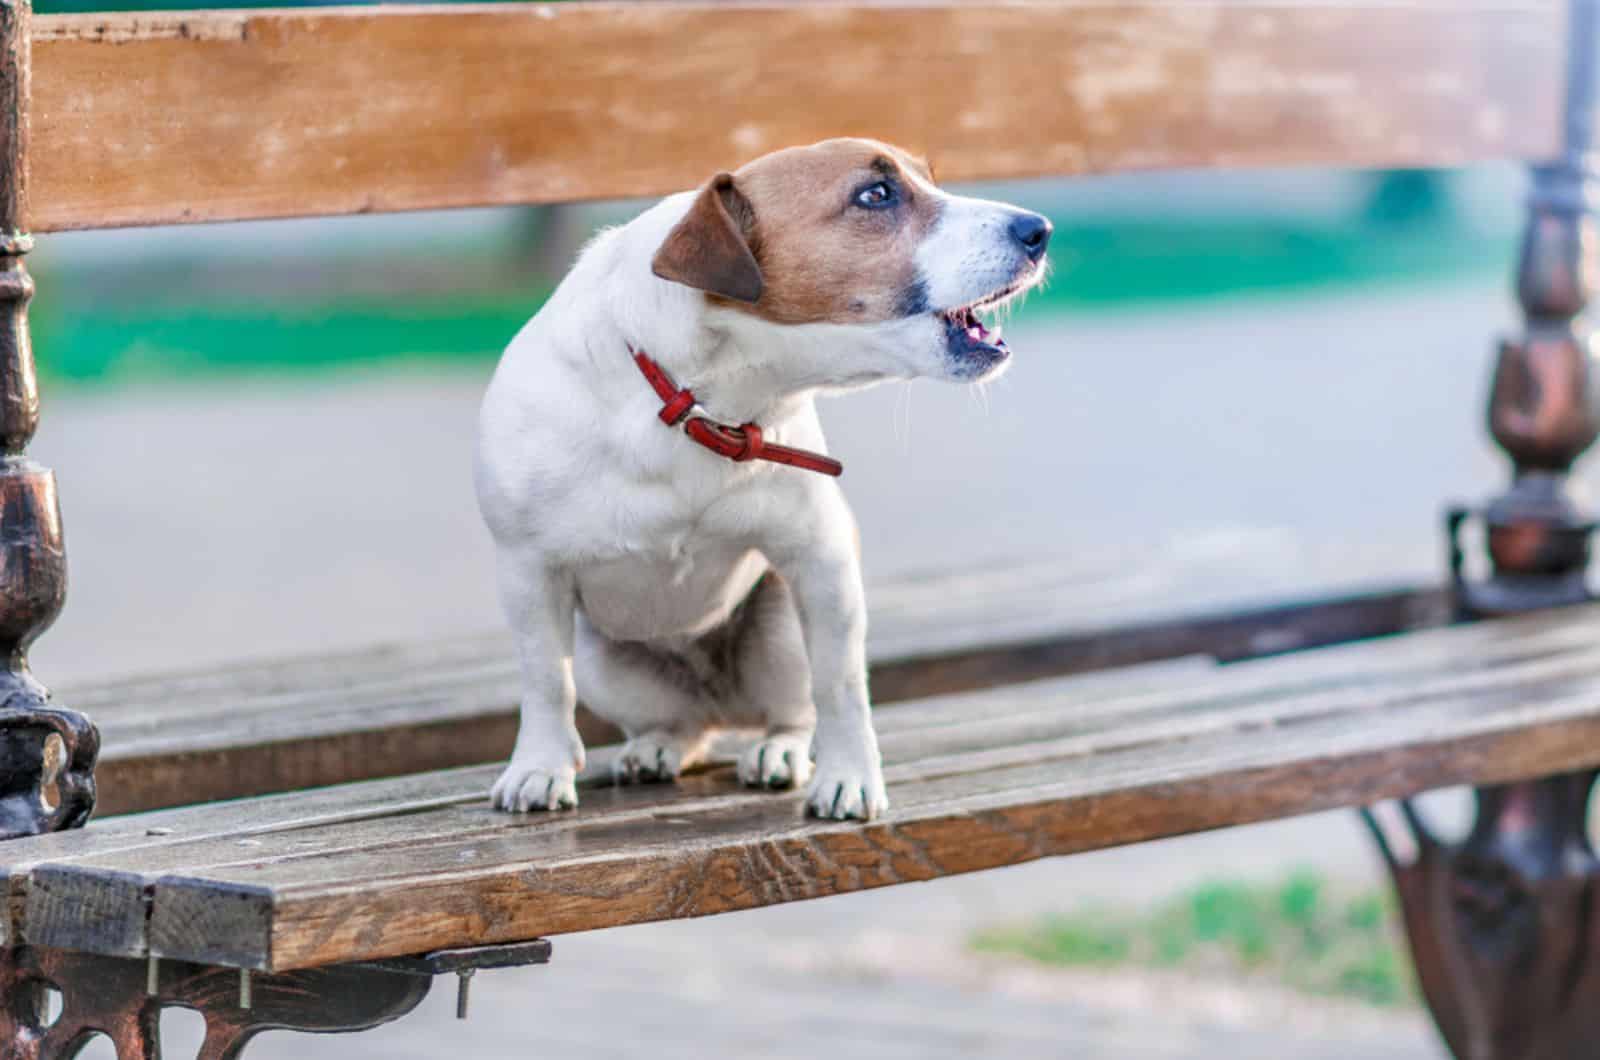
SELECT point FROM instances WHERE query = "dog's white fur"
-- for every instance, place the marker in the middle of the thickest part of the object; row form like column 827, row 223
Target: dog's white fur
column 623, row 549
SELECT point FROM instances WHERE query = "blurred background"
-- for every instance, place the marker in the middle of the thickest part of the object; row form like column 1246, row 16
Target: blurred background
column 1236, row 388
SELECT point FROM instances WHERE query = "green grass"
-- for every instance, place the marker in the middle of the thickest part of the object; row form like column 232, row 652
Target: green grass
column 1301, row 934
column 1099, row 266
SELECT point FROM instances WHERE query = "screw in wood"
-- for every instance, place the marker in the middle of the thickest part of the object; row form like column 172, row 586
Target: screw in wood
column 244, row 989
column 463, row 992
column 152, row 976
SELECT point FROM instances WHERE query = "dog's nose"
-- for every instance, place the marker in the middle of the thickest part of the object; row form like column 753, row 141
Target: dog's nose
column 1033, row 232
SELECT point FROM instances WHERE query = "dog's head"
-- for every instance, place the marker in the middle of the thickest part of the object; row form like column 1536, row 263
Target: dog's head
column 854, row 233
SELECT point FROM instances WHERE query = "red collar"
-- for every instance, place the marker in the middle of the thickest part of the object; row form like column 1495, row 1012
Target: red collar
column 741, row 443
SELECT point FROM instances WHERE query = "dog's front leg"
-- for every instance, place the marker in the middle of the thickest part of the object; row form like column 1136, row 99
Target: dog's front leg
column 543, row 771
column 848, row 781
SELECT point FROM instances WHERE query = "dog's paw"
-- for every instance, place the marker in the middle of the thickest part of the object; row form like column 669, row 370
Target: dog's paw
column 528, row 784
column 844, row 789
column 654, row 756
column 777, row 760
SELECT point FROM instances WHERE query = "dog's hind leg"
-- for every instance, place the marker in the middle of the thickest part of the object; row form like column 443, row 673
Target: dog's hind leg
column 651, row 695
column 773, row 682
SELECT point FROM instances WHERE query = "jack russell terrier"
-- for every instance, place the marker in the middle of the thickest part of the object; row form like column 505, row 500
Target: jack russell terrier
column 671, row 543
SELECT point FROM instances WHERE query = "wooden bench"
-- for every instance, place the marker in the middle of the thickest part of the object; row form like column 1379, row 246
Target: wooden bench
column 359, row 856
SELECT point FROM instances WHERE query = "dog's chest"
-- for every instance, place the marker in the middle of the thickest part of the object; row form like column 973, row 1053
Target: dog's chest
column 653, row 596
column 676, row 559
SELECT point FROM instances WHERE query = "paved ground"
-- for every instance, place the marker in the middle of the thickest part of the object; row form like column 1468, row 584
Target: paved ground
column 208, row 522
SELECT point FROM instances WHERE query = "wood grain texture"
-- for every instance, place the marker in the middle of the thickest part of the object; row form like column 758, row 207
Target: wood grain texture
column 89, row 914
column 948, row 735
column 977, row 781
column 290, row 724
column 763, row 854
column 210, row 116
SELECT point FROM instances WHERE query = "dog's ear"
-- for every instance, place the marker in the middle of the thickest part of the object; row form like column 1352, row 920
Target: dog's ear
column 710, row 248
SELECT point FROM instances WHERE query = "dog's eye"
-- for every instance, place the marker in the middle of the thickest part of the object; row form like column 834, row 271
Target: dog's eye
column 876, row 196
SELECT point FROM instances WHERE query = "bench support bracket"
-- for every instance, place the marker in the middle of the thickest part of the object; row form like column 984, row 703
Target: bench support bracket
column 107, row 995
column 47, row 753
column 122, row 998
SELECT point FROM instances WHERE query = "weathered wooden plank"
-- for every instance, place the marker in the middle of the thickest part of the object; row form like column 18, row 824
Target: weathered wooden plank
column 1083, row 763
column 1006, row 727
column 1142, row 630
column 1386, row 663
column 914, row 617
column 214, row 923
column 368, row 714
column 928, row 635
column 169, row 118
column 237, row 819
column 383, row 814
column 222, row 725
column 1063, row 723
column 350, row 804
column 761, row 851
column 98, row 913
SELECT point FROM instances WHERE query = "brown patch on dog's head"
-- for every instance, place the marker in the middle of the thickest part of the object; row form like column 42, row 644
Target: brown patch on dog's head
column 821, row 233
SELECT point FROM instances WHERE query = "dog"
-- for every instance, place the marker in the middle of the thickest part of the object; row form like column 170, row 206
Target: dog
column 671, row 542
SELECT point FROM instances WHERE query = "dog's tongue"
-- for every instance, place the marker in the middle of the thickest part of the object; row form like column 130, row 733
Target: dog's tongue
column 977, row 332
column 974, row 327
column 967, row 320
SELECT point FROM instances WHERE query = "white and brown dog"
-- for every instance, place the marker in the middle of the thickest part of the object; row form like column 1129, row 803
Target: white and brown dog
column 685, row 581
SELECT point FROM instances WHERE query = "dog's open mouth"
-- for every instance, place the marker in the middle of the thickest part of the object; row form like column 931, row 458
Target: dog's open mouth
column 968, row 335
column 975, row 347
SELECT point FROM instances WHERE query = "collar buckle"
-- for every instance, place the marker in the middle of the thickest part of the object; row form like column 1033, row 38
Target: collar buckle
column 741, row 443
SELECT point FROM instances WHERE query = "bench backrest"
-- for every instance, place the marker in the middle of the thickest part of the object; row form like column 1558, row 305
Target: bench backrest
column 229, row 115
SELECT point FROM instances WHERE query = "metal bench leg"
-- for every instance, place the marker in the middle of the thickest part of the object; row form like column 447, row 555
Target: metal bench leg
column 47, row 753
column 1505, row 925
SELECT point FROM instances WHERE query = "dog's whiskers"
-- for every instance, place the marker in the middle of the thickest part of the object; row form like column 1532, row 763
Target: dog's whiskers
column 980, row 391
column 902, row 416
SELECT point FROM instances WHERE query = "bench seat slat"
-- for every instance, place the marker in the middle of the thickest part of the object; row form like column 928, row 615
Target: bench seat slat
column 388, row 813
column 310, row 722
column 1061, row 718
column 758, row 851
column 1010, row 727
column 1163, row 755
column 170, row 117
